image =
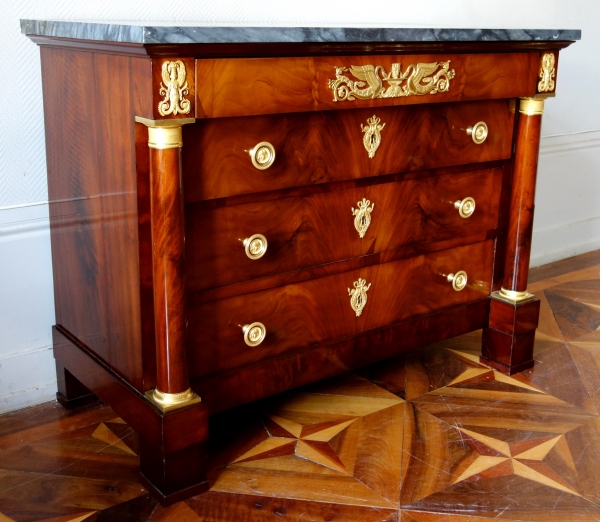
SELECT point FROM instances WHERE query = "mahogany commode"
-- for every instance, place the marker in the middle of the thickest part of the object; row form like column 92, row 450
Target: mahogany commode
column 239, row 211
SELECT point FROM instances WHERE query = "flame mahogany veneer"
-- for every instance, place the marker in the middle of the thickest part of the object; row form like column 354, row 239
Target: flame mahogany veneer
column 325, row 147
column 136, row 258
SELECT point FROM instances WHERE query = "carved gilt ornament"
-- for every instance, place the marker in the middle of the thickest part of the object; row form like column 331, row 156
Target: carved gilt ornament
column 419, row 79
column 372, row 137
column 363, row 216
column 174, row 88
column 358, row 296
column 547, row 74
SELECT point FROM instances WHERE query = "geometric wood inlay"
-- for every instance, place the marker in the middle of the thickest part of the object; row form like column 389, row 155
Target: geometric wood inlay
column 475, row 375
column 525, row 464
column 105, row 434
column 312, row 446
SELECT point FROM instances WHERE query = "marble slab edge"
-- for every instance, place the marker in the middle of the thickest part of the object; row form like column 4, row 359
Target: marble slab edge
column 163, row 34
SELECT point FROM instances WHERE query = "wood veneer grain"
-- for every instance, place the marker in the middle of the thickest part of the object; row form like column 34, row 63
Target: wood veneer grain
column 313, row 272
column 299, row 315
column 91, row 185
column 327, row 146
column 296, row 368
column 522, row 204
column 237, row 87
column 168, row 249
column 312, row 230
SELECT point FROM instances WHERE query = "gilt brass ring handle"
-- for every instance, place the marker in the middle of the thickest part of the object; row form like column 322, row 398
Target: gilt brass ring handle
column 255, row 246
column 465, row 207
column 479, row 132
column 262, row 155
column 254, row 333
column 458, row 280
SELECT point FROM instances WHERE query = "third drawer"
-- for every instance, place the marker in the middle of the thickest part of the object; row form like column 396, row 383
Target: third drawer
column 307, row 231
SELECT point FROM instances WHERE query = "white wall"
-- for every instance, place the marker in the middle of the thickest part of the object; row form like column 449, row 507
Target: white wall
column 568, row 213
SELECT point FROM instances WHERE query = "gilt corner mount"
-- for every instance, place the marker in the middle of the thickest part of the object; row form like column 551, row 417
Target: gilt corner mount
column 547, row 74
column 174, row 88
column 421, row 79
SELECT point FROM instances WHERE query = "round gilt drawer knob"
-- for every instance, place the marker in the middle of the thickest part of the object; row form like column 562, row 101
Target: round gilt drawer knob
column 478, row 132
column 255, row 246
column 458, row 280
column 254, row 333
column 465, row 207
column 262, row 155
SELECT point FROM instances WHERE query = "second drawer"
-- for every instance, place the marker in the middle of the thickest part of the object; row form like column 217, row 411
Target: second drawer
column 226, row 157
column 225, row 246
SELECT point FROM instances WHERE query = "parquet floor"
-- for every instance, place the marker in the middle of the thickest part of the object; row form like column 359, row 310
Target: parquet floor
column 432, row 436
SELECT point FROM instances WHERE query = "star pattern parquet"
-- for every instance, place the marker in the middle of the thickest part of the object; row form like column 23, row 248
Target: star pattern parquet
column 429, row 436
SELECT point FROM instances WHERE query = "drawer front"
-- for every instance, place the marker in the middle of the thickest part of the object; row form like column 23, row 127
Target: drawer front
column 321, row 228
column 329, row 146
column 299, row 315
column 241, row 87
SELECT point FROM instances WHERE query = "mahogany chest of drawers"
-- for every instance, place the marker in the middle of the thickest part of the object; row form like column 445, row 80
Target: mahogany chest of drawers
column 238, row 212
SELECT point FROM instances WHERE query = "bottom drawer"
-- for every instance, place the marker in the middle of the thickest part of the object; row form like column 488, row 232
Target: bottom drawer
column 298, row 315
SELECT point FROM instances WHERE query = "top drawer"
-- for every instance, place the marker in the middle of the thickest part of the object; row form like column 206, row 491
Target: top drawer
column 228, row 87
column 328, row 146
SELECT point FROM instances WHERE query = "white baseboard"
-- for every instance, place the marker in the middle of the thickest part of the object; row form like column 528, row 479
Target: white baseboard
column 27, row 374
column 567, row 143
column 28, row 397
column 26, row 285
column 556, row 243
column 567, row 213
column 27, row 378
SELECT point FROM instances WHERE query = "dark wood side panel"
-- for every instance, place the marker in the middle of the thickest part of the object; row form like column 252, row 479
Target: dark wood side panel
column 311, row 230
column 237, row 87
column 300, row 315
column 93, row 208
column 327, row 146
column 293, row 369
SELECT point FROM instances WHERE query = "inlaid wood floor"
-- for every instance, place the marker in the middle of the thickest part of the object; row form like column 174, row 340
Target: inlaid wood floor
column 433, row 436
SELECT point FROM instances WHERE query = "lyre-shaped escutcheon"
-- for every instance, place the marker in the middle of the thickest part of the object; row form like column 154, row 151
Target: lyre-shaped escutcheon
column 362, row 218
column 372, row 137
column 358, row 295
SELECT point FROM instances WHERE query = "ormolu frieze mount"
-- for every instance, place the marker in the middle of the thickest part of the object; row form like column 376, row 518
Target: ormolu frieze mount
column 422, row 78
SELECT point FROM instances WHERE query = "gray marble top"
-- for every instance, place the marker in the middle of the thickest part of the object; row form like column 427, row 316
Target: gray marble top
column 161, row 33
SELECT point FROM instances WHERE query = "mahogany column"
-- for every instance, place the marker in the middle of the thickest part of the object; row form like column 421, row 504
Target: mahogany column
column 509, row 339
column 167, row 224
column 172, row 465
